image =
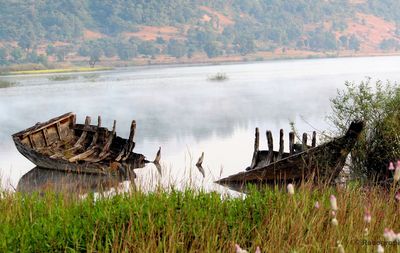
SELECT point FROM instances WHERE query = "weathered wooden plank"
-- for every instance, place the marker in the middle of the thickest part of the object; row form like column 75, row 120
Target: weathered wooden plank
column 270, row 157
column 281, row 145
column 46, row 138
column 291, row 143
column 304, row 142
column 84, row 133
column 314, row 139
column 39, row 126
column 106, row 148
column 128, row 147
column 256, row 148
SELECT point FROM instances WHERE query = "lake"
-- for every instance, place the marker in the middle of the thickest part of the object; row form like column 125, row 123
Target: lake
column 178, row 109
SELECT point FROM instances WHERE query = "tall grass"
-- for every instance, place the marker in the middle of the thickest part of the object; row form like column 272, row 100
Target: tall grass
column 196, row 221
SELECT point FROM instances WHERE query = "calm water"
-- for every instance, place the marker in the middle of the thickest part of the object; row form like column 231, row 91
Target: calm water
column 178, row 109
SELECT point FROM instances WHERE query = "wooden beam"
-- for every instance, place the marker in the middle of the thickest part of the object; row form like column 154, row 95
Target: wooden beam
column 46, row 138
column 82, row 138
column 304, row 142
column 291, row 143
column 270, row 156
column 83, row 155
column 281, row 145
column 58, row 128
column 105, row 151
column 256, row 147
column 314, row 139
column 130, row 144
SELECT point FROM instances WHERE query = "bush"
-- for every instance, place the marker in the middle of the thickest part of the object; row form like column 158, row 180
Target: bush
column 378, row 105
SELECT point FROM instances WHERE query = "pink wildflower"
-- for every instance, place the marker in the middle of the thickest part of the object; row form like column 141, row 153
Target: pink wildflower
column 396, row 176
column 397, row 196
column 333, row 203
column 258, row 250
column 367, row 216
column 239, row 249
column 391, row 166
column 316, row 205
column 290, row 189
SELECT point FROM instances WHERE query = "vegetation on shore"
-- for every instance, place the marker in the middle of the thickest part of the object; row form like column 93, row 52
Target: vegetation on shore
column 54, row 71
column 196, row 221
column 378, row 105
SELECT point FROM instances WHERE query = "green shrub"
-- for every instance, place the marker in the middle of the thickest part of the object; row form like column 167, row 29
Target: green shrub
column 378, row 105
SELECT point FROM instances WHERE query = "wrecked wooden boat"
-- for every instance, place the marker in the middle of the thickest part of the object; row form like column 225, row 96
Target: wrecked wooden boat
column 62, row 144
column 321, row 163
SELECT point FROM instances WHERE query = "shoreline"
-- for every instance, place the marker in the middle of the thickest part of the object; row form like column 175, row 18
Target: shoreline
column 76, row 66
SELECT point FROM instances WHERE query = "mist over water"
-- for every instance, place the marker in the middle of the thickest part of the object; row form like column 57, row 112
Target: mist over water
column 177, row 108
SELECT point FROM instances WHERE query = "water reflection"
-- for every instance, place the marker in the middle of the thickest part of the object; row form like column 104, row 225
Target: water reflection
column 42, row 180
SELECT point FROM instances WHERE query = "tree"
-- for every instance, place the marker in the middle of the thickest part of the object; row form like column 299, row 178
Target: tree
column 126, row 51
column 176, row 48
column 3, row 56
column 16, row 54
column 354, row 43
column 95, row 54
column 212, row 49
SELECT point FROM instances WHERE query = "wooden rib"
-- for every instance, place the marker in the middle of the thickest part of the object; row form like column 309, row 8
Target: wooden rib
column 314, row 139
column 46, row 139
column 58, row 128
column 304, row 142
column 201, row 158
column 82, row 138
column 128, row 147
column 92, row 148
column 291, row 143
column 31, row 141
column 281, row 146
column 104, row 153
column 270, row 156
column 83, row 155
column 256, row 147
column 96, row 134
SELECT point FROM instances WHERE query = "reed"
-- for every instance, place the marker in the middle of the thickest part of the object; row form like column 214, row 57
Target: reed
column 167, row 220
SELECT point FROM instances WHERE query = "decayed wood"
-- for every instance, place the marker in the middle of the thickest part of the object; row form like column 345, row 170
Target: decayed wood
column 61, row 144
column 323, row 162
column 256, row 147
column 270, row 157
column 58, row 127
column 199, row 164
column 304, row 142
column 82, row 138
column 105, row 152
column 291, row 143
column 129, row 145
column 281, row 145
column 314, row 139
column 46, row 139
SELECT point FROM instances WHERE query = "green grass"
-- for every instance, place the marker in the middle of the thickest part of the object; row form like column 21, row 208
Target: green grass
column 6, row 84
column 62, row 78
column 51, row 71
column 218, row 77
column 195, row 221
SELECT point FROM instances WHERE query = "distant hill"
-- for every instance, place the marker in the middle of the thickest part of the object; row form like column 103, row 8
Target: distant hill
column 43, row 31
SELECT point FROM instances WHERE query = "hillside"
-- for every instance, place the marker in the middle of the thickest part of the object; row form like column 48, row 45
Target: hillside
column 156, row 31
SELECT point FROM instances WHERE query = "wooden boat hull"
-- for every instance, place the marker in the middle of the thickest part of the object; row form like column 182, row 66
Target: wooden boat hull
column 321, row 163
column 61, row 144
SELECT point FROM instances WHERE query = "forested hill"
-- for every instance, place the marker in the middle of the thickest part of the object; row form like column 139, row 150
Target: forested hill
column 43, row 30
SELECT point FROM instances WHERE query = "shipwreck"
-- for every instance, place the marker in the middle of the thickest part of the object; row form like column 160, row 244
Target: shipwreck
column 64, row 145
column 321, row 163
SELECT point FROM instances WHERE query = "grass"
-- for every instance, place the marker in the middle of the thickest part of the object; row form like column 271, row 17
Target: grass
column 196, row 221
column 51, row 71
column 6, row 84
column 218, row 77
column 62, row 78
